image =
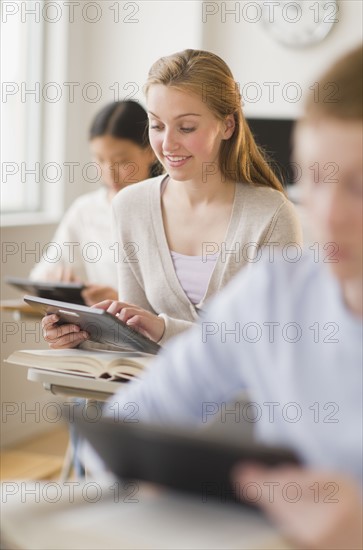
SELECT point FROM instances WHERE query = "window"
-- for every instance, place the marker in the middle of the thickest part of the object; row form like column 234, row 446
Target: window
column 21, row 110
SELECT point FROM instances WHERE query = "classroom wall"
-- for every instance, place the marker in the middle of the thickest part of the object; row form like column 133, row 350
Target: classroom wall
column 117, row 53
column 23, row 403
column 248, row 48
column 116, row 56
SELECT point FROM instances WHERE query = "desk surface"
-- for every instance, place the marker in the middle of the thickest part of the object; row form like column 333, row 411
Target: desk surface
column 72, row 385
column 124, row 516
column 19, row 307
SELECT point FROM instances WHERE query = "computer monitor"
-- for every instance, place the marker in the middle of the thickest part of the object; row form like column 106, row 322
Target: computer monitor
column 275, row 137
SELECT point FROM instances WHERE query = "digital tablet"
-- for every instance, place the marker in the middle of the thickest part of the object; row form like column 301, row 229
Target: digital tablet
column 102, row 327
column 64, row 292
column 184, row 460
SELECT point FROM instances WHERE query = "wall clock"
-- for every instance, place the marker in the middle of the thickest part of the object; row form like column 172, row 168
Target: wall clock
column 301, row 23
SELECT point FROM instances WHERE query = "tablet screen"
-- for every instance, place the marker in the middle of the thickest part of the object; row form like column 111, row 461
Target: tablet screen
column 65, row 292
column 184, row 460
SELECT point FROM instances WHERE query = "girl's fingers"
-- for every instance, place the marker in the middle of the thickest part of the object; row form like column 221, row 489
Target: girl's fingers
column 140, row 324
column 51, row 334
column 49, row 320
column 69, row 340
column 62, row 336
column 127, row 313
column 148, row 325
column 111, row 306
column 105, row 304
column 116, row 307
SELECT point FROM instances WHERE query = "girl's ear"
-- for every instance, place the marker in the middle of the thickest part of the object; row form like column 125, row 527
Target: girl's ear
column 229, row 126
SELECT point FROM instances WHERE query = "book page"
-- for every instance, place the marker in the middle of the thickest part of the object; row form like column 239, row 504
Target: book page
column 82, row 362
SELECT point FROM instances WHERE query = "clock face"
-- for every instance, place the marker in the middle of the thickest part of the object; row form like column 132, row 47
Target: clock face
column 300, row 23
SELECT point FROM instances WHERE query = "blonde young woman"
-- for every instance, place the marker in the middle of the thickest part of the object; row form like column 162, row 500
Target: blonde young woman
column 185, row 234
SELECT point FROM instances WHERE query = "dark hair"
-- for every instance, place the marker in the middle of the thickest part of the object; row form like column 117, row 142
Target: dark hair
column 124, row 120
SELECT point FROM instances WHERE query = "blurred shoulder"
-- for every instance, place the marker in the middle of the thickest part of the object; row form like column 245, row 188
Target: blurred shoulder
column 274, row 277
column 138, row 194
column 88, row 202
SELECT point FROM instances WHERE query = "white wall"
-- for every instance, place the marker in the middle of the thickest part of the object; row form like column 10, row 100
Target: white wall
column 117, row 54
column 255, row 57
column 109, row 52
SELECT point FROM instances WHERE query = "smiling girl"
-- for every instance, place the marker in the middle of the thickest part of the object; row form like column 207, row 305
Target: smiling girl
column 185, row 234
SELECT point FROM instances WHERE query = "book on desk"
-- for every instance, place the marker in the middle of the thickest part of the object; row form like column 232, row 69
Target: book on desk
column 111, row 365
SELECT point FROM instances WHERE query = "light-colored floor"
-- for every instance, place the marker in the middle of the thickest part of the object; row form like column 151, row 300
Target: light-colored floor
column 39, row 458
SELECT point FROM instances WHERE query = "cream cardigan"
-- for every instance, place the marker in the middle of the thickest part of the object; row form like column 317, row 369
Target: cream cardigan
column 146, row 276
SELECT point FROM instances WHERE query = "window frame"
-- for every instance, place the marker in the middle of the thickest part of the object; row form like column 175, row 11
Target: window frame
column 43, row 203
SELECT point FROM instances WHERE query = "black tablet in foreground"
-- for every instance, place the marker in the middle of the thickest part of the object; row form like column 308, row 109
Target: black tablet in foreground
column 64, row 292
column 188, row 461
column 102, row 327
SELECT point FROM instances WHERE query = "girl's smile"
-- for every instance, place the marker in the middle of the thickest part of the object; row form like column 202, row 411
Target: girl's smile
column 184, row 133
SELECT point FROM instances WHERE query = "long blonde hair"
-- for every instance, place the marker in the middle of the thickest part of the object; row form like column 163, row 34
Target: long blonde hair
column 209, row 77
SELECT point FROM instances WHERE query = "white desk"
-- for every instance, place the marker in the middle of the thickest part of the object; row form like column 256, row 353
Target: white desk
column 156, row 520
column 73, row 385
column 19, row 310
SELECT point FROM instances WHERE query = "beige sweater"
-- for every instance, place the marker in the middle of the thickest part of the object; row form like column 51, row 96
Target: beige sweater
column 146, row 275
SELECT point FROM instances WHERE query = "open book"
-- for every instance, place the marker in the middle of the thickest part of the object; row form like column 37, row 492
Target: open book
column 94, row 364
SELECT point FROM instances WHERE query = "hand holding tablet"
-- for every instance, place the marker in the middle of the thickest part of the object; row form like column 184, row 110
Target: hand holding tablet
column 137, row 318
column 68, row 325
column 183, row 459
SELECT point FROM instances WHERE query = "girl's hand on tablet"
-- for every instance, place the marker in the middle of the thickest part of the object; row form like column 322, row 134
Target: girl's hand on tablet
column 315, row 509
column 61, row 336
column 94, row 294
column 136, row 317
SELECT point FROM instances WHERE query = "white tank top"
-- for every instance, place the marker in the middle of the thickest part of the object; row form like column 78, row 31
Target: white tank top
column 193, row 272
